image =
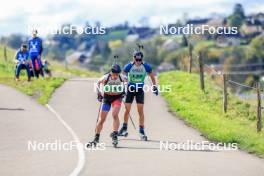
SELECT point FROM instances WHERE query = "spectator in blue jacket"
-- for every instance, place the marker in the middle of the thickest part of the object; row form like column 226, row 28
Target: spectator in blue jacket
column 21, row 59
column 35, row 51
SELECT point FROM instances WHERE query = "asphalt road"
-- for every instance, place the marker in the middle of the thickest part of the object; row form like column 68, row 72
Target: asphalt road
column 71, row 115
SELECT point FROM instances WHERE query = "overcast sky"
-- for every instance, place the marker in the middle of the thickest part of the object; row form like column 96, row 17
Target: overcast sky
column 17, row 15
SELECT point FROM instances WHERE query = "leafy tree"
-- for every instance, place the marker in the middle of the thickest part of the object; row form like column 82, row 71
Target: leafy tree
column 235, row 21
column 238, row 16
column 257, row 44
column 239, row 10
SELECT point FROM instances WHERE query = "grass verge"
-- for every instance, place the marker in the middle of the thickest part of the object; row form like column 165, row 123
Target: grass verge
column 40, row 89
column 203, row 110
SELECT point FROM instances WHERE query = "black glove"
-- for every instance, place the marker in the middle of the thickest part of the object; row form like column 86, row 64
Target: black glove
column 155, row 90
column 100, row 97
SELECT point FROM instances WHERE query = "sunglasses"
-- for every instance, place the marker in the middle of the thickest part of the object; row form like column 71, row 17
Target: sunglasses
column 138, row 60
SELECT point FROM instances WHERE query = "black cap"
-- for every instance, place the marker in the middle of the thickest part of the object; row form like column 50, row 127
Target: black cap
column 116, row 68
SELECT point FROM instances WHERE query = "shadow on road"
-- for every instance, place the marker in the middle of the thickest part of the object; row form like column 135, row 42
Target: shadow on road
column 158, row 148
column 12, row 109
column 155, row 141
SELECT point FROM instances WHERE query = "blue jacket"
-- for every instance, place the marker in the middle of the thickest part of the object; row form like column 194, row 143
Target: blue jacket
column 35, row 46
column 22, row 56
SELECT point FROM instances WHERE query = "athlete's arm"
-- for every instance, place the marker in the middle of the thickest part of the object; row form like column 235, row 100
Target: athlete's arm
column 99, row 86
column 124, row 73
column 150, row 73
column 152, row 77
column 126, row 69
column 101, row 81
column 124, row 77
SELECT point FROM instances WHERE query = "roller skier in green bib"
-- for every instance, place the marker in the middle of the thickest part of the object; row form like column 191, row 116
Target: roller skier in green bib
column 136, row 73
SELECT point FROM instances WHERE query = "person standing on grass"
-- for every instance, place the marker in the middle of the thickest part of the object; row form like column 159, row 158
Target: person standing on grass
column 136, row 72
column 21, row 59
column 35, row 51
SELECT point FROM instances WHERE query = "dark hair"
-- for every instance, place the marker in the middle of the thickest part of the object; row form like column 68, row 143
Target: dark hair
column 24, row 46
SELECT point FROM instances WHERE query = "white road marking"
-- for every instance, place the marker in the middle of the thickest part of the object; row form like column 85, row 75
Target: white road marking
column 81, row 154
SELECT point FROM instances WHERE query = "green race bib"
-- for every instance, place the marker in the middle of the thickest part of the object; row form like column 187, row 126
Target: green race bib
column 137, row 74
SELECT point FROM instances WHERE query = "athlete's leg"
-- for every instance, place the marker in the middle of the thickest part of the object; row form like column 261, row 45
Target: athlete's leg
column 40, row 67
column 28, row 71
column 18, row 69
column 128, row 102
column 105, row 109
column 33, row 58
column 116, row 109
column 140, row 108
column 127, row 111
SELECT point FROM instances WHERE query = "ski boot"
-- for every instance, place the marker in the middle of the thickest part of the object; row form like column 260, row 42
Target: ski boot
column 143, row 137
column 93, row 143
column 114, row 139
column 123, row 132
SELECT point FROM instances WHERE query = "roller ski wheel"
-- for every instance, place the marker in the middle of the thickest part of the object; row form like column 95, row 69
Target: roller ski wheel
column 92, row 144
column 114, row 140
column 143, row 137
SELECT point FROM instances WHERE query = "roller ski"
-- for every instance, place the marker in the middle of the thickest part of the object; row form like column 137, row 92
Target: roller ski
column 142, row 134
column 114, row 139
column 143, row 137
column 94, row 142
column 123, row 132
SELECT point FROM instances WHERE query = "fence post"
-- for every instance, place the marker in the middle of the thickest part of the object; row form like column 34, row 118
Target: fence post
column 5, row 54
column 201, row 70
column 259, row 108
column 190, row 56
column 225, row 93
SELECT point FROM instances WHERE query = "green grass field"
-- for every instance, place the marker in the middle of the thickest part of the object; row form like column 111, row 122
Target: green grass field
column 204, row 111
column 40, row 89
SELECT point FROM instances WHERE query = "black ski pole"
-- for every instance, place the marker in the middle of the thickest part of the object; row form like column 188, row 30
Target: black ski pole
column 115, row 59
column 140, row 47
column 130, row 117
